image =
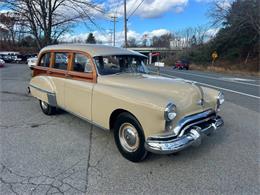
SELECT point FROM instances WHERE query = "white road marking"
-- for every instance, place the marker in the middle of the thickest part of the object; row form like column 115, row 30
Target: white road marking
column 220, row 79
column 213, row 86
column 237, row 79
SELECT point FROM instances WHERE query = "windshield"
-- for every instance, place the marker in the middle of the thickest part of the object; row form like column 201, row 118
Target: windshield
column 115, row 64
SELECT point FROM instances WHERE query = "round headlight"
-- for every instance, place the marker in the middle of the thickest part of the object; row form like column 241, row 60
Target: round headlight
column 170, row 112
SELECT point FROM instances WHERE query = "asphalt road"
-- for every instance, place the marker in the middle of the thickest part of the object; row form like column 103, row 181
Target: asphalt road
column 63, row 154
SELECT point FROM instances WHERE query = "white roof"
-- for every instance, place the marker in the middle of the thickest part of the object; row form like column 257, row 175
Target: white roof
column 93, row 49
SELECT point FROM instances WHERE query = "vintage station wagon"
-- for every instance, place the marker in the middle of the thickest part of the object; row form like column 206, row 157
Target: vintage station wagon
column 111, row 88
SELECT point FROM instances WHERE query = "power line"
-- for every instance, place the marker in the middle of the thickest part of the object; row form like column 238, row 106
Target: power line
column 135, row 9
column 132, row 7
column 117, row 7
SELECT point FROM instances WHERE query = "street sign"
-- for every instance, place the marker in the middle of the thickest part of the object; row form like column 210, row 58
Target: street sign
column 214, row 55
column 159, row 64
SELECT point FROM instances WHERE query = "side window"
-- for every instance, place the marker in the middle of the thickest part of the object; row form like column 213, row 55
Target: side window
column 61, row 60
column 45, row 60
column 81, row 63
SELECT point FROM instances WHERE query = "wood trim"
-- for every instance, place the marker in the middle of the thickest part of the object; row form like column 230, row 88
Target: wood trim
column 52, row 60
column 70, row 61
column 50, row 71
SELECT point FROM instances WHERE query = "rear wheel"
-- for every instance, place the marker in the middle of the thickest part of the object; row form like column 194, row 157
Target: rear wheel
column 129, row 138
column 46, row 108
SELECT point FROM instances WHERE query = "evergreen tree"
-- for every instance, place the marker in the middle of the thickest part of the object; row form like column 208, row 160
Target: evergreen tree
column 91, row 39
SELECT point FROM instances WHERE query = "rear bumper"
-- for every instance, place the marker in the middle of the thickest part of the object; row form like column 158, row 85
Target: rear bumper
column 193, row 136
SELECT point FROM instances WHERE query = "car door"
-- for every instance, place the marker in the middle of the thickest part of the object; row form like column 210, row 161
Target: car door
column 79, row 84
column 57, row 73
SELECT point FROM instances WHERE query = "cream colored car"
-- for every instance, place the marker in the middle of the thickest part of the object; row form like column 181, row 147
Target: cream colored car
column 111, row 88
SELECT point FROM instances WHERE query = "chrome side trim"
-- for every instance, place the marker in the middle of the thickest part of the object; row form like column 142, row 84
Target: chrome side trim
column 201, row 101
column 40, row 89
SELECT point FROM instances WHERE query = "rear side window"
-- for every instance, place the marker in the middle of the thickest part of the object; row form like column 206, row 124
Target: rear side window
column 61, row 60
column 45, row 60
column 81, row 63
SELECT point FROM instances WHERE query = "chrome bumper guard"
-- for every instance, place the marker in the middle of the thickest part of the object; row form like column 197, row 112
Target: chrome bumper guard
column 192, row 137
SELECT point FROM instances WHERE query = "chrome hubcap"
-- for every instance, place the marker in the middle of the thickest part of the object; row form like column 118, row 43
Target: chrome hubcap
column 44, row 105
column 129, row 137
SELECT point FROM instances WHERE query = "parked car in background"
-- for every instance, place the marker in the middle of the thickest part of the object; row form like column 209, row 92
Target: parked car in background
column 31, row 62
column 112, row 88
column 6, row 58
column 2, row 63
column 181, row 65
column 17, row 58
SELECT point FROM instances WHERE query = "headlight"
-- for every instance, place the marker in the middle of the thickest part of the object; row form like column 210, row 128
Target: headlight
column 170, row 112
column 220, row 100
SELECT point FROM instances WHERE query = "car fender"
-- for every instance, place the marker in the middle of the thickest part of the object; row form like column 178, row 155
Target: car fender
column 43, row 88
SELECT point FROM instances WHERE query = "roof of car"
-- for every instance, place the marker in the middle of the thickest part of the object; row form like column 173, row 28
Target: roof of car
column 93, row 49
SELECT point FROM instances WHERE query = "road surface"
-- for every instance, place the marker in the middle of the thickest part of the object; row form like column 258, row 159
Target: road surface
column 63, row 154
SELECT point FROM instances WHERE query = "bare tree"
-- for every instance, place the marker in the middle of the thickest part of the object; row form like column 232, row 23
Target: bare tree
column 47, row 20
column 220, row 12
column 192, row 36
column 132, row 42
column 162, row 41
column 9, row 22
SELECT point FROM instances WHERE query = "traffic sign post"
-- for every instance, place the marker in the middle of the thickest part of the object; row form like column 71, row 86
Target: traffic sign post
column 158, row 65
column 214, row 56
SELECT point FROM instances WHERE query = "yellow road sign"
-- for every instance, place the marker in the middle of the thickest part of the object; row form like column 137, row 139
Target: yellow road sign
column 214, row 55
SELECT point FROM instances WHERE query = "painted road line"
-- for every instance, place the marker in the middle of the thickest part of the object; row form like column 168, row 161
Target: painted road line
column 216, row 87
column 237, row 79
column 220, row 79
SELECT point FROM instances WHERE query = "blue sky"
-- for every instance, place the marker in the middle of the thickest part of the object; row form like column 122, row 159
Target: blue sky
column 174, row 16
column 194, row 13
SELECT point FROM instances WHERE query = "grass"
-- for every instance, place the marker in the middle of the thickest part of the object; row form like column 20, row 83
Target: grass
column 237, row 69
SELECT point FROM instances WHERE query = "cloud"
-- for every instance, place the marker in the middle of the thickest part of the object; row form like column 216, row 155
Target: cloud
column 157, row 32
column 106, row 38
column 149, row 8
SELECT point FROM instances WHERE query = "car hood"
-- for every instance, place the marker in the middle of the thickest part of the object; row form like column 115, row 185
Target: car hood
column 184, row 94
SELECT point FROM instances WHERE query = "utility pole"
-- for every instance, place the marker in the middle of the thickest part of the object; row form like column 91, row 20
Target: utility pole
column 111, row 33
column 114, row 20
column 125, row 21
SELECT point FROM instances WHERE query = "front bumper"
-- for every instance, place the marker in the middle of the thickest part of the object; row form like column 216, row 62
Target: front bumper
column 191, row 136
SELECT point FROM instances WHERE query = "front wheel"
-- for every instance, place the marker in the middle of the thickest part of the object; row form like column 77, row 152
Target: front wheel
column 129, row 138
column 46, row 108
